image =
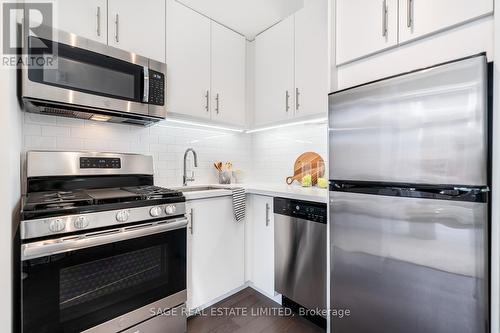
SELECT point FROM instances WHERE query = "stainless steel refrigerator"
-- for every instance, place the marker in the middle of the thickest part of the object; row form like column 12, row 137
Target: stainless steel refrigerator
column 409, row 202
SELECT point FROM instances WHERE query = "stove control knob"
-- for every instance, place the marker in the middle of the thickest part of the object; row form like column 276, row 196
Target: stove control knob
column 57, row 225
column 155, row 211
column 81, row 222
column 122, row 215
column 170, row 209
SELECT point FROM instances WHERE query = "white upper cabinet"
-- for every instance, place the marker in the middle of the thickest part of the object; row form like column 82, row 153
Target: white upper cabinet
column 311, row 59
column 421, row 17
column 89, row 21
column 291, row 67
column 188, row 62
column 228, row 75
column 274, row 73
column 138, row 26
column 206, row 67
column 133, row 26
column 364, row 27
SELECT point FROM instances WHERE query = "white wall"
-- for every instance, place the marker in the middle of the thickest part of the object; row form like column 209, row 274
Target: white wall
column 166, row 142
column 274, row 151
column 10, row 146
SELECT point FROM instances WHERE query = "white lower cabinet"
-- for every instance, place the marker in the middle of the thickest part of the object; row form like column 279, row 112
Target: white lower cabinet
column 216, row 250
column 261, row 238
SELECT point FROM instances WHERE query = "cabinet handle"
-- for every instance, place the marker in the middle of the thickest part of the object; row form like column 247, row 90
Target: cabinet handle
column 191, row 217
column 207, row 100
column 384, row 18
column 409, row 13
column 297, row 94
column 117, row 20
column 98, row 21
column 267, row 214
column 287, row 101
column 217, row 103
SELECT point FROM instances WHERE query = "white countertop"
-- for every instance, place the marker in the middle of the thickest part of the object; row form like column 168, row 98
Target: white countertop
column 297, row 192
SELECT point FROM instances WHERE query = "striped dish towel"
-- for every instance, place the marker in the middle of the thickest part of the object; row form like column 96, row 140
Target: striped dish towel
column 239, row 203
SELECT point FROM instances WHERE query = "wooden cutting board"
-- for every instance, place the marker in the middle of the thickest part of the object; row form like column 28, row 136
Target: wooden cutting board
column 316, row 169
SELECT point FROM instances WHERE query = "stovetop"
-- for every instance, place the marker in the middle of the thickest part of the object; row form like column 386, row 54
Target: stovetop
column 57, row 203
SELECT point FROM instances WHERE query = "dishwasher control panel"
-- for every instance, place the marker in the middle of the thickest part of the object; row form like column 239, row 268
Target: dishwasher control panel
column 306, row 210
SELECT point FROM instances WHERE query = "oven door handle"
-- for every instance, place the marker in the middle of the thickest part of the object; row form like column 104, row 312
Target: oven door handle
column 73, row 243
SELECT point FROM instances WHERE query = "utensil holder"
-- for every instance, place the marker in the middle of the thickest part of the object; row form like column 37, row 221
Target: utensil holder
column 224, row 177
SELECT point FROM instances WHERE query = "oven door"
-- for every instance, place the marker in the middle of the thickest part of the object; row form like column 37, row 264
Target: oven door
column 86, row 74
column 107, row 286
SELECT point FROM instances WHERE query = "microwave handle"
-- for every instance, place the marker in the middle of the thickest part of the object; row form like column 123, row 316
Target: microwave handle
column 145, row 94
column 72, row 243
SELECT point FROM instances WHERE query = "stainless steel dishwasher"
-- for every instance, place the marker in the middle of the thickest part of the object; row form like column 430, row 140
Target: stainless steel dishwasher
column 300, row 252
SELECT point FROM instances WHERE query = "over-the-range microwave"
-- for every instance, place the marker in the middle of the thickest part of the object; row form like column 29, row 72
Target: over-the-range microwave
column 81, row 78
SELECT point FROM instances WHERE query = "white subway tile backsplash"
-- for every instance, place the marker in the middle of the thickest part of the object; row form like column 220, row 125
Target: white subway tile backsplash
column 39, row 142
column 166, row 144
column 55, row 131
column 32, row 129
column 263, row 156
column 274, row 152
column 69, row 143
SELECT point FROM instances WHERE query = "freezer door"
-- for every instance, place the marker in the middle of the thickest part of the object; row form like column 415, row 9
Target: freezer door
column 427, row 127
column 405, row 265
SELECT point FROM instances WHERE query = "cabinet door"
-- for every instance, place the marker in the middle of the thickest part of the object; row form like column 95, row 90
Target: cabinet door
column 138, row 26
column 365, row 27
column 311, row 59
column 274, row 86
column 188, row 59
column 216, row 250
column 88, row 19
column 228, row 75
column 420, row 17
column 263, row 244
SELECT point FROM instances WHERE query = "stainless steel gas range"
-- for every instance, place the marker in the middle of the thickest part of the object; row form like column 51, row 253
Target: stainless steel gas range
column 102, row 249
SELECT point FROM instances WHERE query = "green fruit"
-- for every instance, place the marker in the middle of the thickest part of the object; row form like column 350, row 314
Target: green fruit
column 322, row 183
column 307, row 180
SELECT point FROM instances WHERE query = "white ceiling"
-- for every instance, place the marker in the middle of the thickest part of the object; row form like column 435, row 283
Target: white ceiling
column 248, row 17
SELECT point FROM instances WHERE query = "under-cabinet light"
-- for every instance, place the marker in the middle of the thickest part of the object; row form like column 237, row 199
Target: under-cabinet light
column 309, row 121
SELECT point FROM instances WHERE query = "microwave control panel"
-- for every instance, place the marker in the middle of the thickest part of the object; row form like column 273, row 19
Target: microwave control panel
column 156, row 88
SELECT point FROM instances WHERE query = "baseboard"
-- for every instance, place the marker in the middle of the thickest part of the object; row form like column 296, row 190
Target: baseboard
column 218, row 299
column 276, row 297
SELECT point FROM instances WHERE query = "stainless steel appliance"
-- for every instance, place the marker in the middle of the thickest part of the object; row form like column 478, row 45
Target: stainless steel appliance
column 300, row 252
column 81, row 78
column 102, row 249
column 409, row 202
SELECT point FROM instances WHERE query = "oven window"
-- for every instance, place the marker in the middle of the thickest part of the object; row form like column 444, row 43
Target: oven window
column 77, row 290
column 91, row 281
column 90, row 72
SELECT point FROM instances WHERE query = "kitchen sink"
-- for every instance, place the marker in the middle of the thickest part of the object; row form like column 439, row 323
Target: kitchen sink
column 201, row 188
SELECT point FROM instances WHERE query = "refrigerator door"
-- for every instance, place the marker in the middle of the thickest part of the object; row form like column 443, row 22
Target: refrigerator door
column 426, row 127
column 406, row 265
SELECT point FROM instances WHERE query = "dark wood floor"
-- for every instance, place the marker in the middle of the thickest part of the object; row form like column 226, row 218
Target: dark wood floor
column 244, row 306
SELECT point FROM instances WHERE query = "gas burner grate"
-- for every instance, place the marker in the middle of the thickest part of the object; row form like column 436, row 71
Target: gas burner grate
column 56, row 200
column 153, row 192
